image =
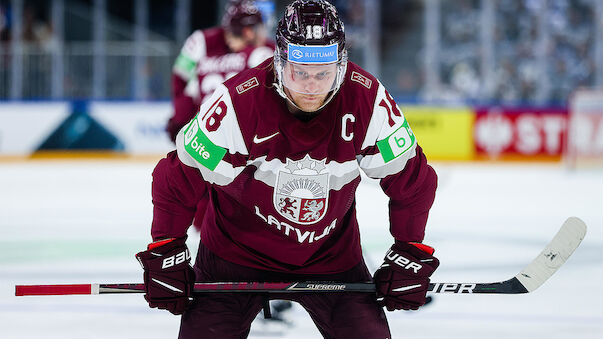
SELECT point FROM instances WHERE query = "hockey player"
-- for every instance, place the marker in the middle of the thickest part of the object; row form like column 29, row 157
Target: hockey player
column 211, row 56
column 278, row 149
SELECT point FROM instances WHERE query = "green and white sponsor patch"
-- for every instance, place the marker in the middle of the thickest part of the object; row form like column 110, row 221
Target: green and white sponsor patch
column 396, row 143
column 198, row 145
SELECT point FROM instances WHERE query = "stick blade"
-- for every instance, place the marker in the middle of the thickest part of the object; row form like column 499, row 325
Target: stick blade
column 554, row 254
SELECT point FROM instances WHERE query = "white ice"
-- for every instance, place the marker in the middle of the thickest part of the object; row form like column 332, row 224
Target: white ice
column 83, row 221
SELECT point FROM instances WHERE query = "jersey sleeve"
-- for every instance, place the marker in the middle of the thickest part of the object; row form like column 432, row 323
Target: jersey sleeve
column 185, row 89
column 390, row 153
column 193, row 50
column 213, row 142
column 178, row 194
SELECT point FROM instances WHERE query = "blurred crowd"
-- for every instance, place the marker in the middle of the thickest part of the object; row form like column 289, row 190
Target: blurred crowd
column 36, row 24
column 543, row 50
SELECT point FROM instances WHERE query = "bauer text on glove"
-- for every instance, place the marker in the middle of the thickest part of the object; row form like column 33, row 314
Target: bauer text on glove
column 168, row 276
column 403, row 279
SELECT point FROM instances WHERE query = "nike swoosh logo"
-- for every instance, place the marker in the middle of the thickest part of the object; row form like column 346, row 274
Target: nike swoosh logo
column 405, row 288
column 257, row 140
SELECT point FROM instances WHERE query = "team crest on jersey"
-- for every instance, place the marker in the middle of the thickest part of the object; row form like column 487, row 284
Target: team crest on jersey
column 301, row 193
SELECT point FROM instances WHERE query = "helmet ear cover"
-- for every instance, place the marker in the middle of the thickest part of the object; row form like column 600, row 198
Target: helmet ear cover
column 310, row 34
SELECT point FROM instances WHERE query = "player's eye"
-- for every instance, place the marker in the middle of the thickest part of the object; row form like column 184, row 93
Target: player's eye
column 302, row 75
column 322, row 75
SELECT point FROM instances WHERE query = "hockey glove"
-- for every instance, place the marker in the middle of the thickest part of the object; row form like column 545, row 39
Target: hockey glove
column 168, row 276
column 403, row 279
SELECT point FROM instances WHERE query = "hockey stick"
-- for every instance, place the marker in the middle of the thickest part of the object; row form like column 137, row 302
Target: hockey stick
column 530, row 278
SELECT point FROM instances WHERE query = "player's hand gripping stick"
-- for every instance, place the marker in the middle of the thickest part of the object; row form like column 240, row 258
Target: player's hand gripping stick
column 168, row 276
column 402, row 280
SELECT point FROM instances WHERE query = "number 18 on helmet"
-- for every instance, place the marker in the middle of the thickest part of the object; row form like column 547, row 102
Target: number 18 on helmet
column 310, row 57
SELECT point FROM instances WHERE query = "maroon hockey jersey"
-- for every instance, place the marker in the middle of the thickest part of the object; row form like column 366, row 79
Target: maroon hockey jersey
column 282, row 191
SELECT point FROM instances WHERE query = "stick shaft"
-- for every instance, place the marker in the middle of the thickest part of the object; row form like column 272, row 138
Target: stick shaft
column 530, row 278
column 221, row 287
column 507, row 287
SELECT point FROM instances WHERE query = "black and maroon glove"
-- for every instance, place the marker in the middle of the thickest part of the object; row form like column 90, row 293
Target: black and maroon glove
column 403, row 279
column 169, row 278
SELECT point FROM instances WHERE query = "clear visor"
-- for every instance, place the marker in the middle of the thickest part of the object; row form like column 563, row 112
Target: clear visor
column 310, row 78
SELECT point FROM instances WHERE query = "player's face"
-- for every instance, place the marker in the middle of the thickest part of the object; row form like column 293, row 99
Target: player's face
column 309, row 85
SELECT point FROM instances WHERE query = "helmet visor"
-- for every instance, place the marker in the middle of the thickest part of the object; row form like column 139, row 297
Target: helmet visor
column 310, row 78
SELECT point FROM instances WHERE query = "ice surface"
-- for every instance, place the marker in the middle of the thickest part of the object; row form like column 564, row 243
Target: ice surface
column 82, row 222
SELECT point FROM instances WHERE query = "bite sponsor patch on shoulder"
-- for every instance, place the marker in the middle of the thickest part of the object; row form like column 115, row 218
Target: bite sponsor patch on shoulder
column 396, row 143
column 198, row 146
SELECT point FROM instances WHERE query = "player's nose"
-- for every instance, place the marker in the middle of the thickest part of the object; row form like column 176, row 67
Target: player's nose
column 312, row 85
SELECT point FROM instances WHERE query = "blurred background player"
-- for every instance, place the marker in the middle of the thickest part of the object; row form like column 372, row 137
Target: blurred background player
column 213, row 55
